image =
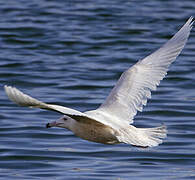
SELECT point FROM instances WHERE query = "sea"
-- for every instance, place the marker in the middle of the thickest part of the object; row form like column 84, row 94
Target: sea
column 71, row 53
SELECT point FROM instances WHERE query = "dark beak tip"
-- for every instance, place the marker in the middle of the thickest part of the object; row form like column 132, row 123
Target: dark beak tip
column 48, row 125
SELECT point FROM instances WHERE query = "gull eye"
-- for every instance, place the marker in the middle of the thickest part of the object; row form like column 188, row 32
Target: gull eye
column 64, row 118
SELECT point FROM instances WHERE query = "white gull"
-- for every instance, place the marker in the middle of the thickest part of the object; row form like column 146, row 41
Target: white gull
column 110, row 123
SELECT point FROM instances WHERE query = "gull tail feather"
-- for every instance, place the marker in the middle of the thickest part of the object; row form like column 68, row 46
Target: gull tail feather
column 143, row 137
column 154, row 136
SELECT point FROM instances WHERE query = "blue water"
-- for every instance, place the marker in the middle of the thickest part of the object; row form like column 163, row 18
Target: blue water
column 72, row 53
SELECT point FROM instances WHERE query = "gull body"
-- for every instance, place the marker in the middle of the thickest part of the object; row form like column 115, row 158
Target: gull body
column 91, row 131
column 111, row 122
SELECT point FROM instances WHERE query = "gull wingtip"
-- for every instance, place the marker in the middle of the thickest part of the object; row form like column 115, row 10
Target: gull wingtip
column 190, row 21
column 7, row 88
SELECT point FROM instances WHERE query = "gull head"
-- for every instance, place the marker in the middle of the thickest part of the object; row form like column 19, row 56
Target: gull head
column 63, row 122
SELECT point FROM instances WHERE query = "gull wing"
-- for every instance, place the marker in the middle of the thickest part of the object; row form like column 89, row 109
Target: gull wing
column 22, row 99
column 25, row 100
column 135, row 84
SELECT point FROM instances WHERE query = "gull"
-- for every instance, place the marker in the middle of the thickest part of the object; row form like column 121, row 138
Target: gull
column 111, row 123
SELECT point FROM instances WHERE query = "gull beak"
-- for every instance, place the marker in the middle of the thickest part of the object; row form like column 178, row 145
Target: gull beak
column 52, row 124
column 58, row 123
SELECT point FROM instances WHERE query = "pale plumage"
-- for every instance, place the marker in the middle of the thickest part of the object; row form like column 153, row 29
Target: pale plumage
column 109, row 123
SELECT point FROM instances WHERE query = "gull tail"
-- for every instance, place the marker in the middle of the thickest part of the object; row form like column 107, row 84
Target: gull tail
column 142, row 137
column 153, row 136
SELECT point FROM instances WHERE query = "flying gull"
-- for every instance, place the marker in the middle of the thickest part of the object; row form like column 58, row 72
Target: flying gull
column 111, row 123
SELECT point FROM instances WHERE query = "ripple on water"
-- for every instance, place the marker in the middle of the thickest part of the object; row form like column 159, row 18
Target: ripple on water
column 72, row 53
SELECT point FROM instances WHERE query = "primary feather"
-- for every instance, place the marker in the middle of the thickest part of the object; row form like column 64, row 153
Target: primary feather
column 135, row 84
column 25, row 100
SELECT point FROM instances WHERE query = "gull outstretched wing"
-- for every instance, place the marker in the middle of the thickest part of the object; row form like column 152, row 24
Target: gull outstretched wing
column 25, row 100
column 22, row 99
column 135, row 84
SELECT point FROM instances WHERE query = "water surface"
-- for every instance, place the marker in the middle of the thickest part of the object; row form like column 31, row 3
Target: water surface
column 72, row 53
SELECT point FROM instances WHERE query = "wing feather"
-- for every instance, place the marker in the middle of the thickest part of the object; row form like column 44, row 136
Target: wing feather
column 22, row 99
column 134, row 87
column 25, row 100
